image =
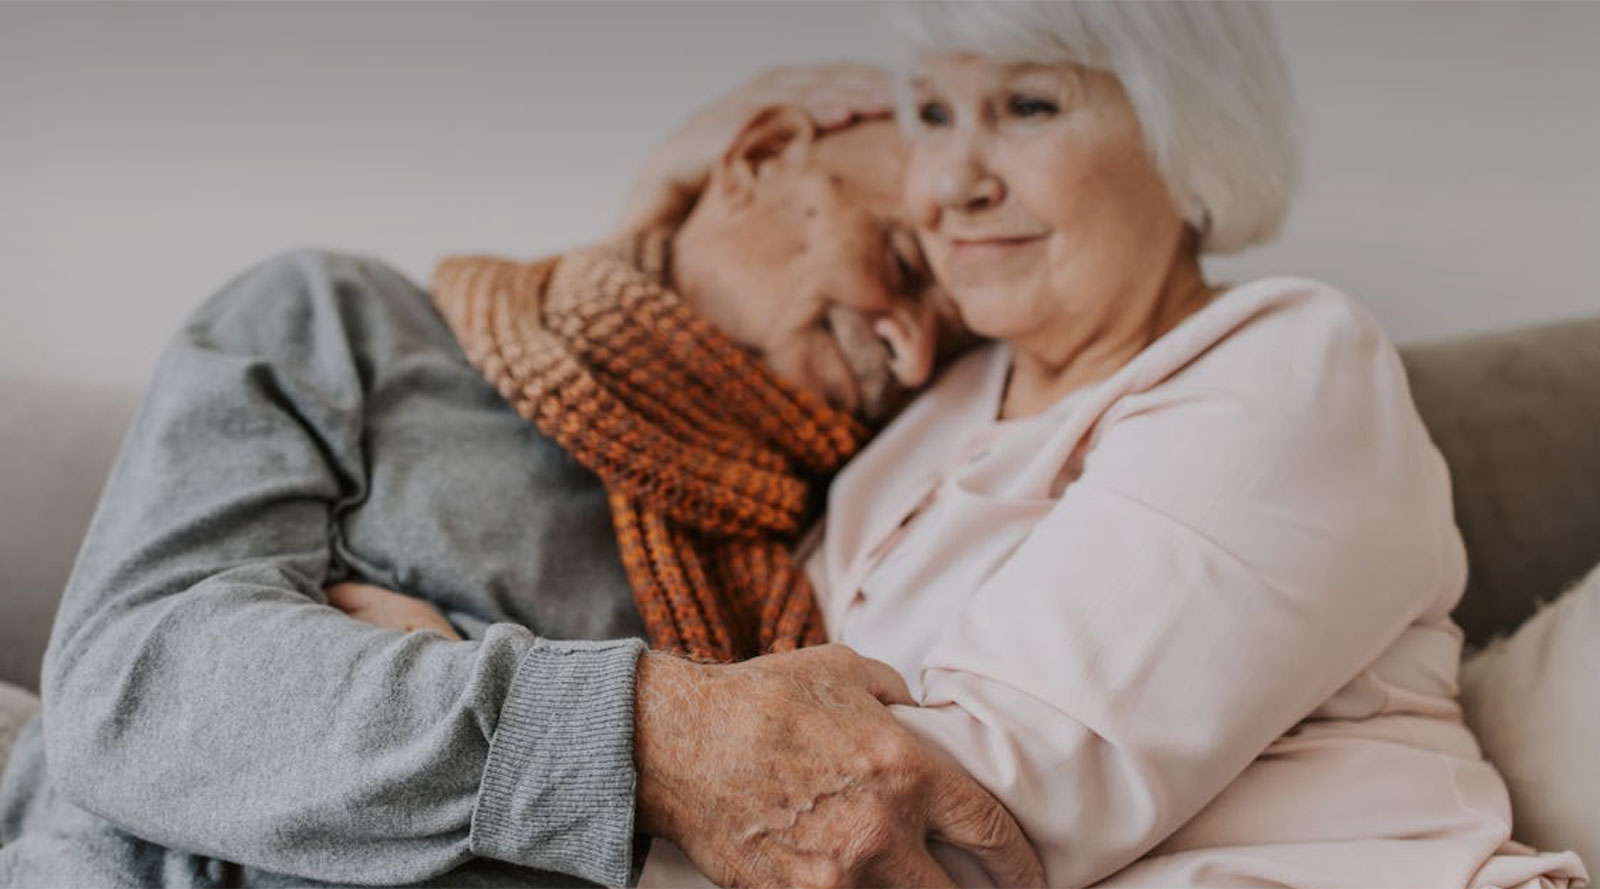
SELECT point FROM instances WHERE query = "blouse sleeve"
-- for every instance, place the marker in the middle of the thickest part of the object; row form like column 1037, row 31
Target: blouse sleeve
column 1244, row 538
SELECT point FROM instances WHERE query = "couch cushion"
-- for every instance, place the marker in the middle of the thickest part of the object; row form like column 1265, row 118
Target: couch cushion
column 1517, row 416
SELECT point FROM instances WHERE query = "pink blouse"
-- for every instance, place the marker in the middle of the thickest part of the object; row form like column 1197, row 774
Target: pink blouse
column 1191, row 624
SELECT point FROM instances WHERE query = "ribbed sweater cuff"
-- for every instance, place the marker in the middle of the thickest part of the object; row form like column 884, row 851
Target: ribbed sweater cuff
column 558, row 786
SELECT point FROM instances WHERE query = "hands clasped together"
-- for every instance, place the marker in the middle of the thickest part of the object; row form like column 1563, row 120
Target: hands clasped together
column 784, row 770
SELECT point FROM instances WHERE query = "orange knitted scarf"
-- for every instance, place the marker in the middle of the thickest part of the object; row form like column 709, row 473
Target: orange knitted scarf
column 708, row 458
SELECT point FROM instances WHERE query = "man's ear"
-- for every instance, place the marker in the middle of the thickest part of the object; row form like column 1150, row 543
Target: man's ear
column 777, row 136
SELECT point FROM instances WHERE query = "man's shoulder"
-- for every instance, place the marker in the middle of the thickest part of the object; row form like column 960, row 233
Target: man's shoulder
column 312, row 301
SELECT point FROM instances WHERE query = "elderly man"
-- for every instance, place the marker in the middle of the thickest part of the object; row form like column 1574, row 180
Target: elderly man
column 495, row 448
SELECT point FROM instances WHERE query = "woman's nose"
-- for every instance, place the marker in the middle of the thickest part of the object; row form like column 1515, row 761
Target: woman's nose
column 967, row 185
column 910, row 337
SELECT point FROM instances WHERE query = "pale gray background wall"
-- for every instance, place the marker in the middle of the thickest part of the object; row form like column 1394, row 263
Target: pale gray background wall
column 150, row 151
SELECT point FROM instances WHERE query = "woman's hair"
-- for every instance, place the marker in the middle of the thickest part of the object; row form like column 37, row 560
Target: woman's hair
column 1205, row 78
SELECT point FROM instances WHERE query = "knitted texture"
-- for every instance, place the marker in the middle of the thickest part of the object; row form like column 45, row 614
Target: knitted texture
column 707, row 456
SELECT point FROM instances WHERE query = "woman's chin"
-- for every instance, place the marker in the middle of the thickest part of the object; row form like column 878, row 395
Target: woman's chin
column 990, row 314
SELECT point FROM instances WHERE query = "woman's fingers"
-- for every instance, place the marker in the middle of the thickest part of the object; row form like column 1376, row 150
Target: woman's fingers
column 834, row 95
column 677, row 169
column 348, row 596
column 389, row 610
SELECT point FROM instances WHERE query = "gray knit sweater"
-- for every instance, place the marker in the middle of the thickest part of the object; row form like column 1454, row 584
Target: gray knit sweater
column 208, row 720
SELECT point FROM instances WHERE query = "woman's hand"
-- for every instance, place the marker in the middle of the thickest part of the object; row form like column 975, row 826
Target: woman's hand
column 389, row 609
column 676, row 171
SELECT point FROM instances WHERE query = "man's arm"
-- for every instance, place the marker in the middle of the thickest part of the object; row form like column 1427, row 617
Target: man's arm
column 200, row 695
column 739, row 764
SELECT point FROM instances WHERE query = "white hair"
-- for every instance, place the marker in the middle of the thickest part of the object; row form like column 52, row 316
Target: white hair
column 1205, row 78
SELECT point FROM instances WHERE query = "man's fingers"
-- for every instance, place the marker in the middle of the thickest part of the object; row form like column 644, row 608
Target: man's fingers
column 963, row 814
column 916, row 868
column 885, row 682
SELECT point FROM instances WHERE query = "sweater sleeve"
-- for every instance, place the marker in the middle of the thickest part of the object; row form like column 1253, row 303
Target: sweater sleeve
column 201, row 695
column 1243, row 539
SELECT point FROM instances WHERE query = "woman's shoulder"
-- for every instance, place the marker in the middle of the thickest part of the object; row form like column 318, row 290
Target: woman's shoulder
column 1290, row 370
column 1286, row 311
column 1274, row 333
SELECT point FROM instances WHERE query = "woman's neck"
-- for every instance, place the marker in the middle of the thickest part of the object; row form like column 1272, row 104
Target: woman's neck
column 1043, row 371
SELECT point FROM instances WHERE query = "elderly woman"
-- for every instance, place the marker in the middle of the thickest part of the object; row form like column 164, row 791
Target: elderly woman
column 1168, row 565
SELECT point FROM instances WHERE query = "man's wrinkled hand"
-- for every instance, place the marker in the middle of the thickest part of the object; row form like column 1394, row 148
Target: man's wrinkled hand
column 789, row 770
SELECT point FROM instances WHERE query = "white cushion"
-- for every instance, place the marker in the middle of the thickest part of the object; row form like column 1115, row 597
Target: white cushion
column 1534, row 701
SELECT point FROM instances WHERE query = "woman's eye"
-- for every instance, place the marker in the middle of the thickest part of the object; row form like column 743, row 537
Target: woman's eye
column 933, row 114
column 1028, row 106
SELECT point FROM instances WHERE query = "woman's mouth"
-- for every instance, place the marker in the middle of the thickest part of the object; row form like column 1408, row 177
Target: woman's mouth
column 996, row 247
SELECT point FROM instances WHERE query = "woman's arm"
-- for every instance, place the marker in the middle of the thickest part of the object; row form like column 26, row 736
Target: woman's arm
column 1245, row 538
column 201, row 695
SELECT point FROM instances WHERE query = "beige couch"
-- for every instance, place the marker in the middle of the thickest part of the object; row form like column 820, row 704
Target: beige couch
column 1516, row 414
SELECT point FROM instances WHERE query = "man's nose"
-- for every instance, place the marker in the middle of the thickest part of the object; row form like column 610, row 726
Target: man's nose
column 910, row 337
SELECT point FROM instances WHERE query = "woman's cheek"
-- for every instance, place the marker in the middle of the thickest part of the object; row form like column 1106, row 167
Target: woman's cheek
column 918, row 192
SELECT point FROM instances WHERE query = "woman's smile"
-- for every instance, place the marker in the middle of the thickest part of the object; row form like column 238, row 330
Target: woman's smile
column 988, row 250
